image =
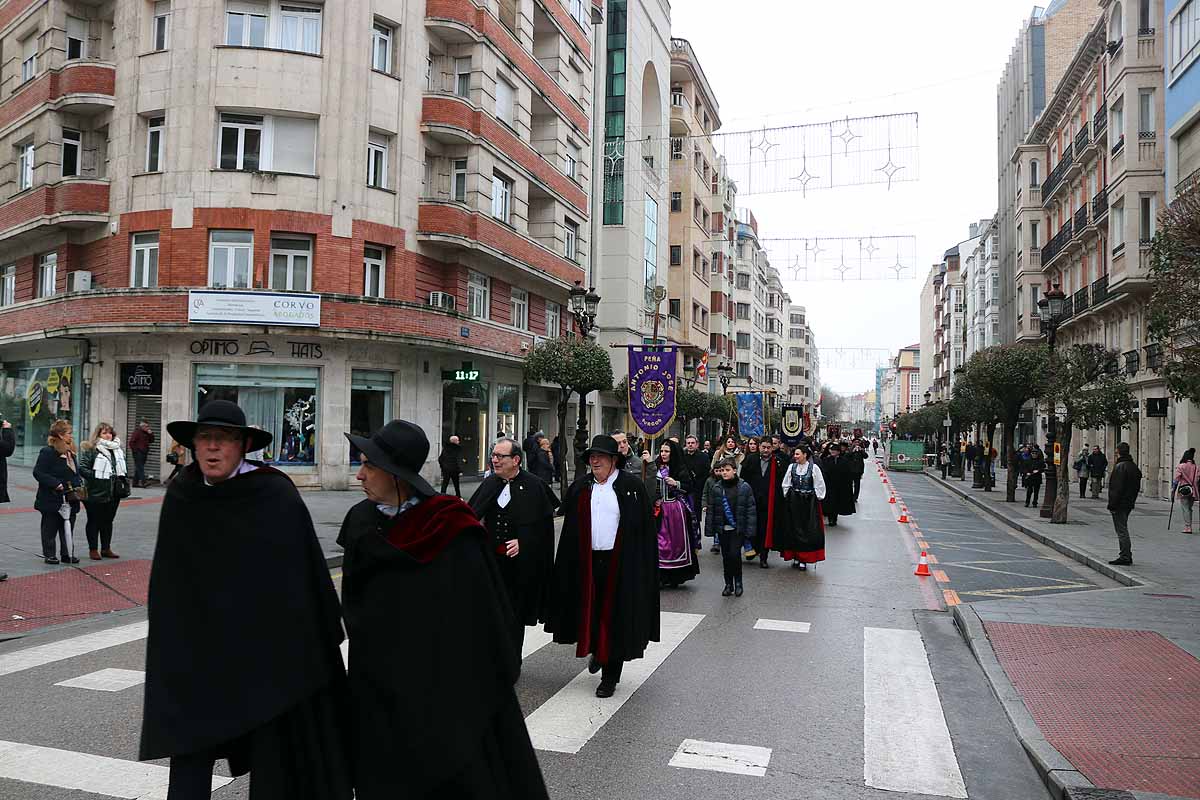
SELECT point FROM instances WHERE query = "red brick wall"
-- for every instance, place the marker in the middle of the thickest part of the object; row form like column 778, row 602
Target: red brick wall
column 75, row 78
column 79, row 197
column 558, row 9
column 13, row 9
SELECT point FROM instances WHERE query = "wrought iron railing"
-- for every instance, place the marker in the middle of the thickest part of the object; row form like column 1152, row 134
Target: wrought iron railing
column 1100, row 204
column 1117, row 145
column 1056, row 174
column 1068, row 310
column 1189, row 183
column 1082, row 139
column 1057, row 243
column 1081, row 219
column 1100, row 121
column 1099, row 290
column 1081, row 301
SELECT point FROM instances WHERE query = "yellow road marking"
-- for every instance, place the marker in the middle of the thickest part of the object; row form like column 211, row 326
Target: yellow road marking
column 924, row 545
column 940, row 576
column 951, row 597
column 1016, row 591
column 932, row 559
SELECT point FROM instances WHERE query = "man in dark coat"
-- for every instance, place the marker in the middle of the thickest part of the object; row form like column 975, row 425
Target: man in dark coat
column 432, row 661
column 764, row 472
column 1097, row 466
column 517, row 508
column 604, row 593
column 857, row 461
column 242, row 662
column 1123, row 489
column 450, row 462
column 700, row 464
column 8, row 444
column 839, row 497
column 139, row 444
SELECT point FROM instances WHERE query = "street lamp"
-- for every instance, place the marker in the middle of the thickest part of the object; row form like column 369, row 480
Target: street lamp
column 583, row 304
column 1050, row 309
column 724, row 375
column 928, row 395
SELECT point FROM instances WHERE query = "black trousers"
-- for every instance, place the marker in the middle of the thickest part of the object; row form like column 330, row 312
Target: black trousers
column 191, row 777
column 53, row 528
column 856, row 484
column 139, row 466
column 760, row 531
column 453, row 476
column 731, row 553
column 1083, row 487
column 601, row 562
column 100, row 524
column 1032, row 490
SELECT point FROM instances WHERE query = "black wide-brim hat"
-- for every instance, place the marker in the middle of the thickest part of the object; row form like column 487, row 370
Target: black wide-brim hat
column 400, row 449
column 605, row 445
column 218, row 414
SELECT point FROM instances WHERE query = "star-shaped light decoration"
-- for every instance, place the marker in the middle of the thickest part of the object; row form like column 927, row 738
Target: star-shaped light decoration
column 797, row 268
column 804, row 177
column 764, row 145
column 890, row 169
column 816, row 248
column 847, row 136
column 897, row 267
column 870, row 249
column 613, row 153
column 841, row 267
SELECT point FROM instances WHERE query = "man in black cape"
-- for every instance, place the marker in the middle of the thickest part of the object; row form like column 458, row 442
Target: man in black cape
column 764, row 472
column 604, row 593
column 432, row 661
column 517, row 508
column 839, row 499
column 242, row 662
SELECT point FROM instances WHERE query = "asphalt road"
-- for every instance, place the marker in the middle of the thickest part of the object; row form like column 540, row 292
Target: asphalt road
column 880, row 690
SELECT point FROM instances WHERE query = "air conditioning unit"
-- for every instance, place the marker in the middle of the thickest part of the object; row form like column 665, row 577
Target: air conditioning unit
column 79, row 281
column 442, row 300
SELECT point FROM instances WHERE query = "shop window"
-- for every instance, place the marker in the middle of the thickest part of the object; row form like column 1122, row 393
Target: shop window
column 32, row 399
column 229, row 257
column 465, row 415
column 507, row 403
column 370, row 404
column 144, row 267
column 374, row 265
column 280, row 399
column 291, row 263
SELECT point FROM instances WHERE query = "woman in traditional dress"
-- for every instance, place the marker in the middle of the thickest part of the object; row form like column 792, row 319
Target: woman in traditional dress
column 802, row 536
column 669, row 483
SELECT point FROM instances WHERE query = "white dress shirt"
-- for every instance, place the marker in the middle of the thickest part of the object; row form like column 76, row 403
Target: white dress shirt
column 606, row 513
column 818, row 478
column 505, row 497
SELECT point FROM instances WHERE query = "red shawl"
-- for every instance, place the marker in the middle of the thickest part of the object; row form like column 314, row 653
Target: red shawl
column 425, row 530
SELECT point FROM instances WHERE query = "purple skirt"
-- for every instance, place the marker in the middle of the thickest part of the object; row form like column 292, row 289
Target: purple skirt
column 676, row 550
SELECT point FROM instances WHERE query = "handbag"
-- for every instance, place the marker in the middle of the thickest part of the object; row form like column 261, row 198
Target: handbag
column 120, row 487
column 172, row 458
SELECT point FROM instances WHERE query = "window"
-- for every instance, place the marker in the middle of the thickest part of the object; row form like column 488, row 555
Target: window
column 502, row 189
column 291, row 259
column 676, row 148
column 676, row 255
column 381, row 47
column 25, row 167
column 1146, row 113
column 427, row 169
column 229, row 257
column 674, row 308
column 77, row 34
column 8, row 285
column 743, row 341
column 1144, row 23
column 742, row 311
column 571, row 232
column 553, row 319
column 143, row 272
column 29, row 48
column 293, row 145
column 743, row 281
column 279, row 144
column 1185, row 34
column 162, row 26
column 154, row 143
column 1116, row 227
column 246, row 26
column 71, row 145
column 676, row 201
column 1118, row 118
column 1145, row 218
column 374, row 265
column 241, row 141
column 650, row 251
column 282, row 399
column 370, row 404
column 377, row 160
column 505, row 103
column 519, row 300
column 462, row 77
column 459, row 185
column 47, row 276
column 300, row 29
column 479, row 295
column 572, row 162
column 508, row 14
column 1034, row 174
column 578, row 13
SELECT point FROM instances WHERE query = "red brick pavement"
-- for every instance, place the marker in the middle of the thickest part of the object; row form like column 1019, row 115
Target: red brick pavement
column 1120, row 705
column 37, row 601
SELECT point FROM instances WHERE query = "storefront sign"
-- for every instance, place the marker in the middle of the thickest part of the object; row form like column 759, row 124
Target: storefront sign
column 1156, row 406
column 305, row 351
column 141, row 378
column 257, row 308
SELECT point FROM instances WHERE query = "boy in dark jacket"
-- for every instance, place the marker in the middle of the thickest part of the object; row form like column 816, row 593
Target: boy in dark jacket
column 1123, row 488
column 731, row 506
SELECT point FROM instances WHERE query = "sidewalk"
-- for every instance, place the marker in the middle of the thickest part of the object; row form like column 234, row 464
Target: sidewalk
column 1103, row 686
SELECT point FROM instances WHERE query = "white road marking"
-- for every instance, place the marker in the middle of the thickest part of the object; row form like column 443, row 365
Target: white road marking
column 906, row 745
column 739, row 759
column 535, row 639
column 782, row 625
column 65, row 769
column 565, row 722
column 107, row 680
column 44, row 654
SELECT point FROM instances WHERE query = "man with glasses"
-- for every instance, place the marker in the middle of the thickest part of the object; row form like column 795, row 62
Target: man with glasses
column 517, row 508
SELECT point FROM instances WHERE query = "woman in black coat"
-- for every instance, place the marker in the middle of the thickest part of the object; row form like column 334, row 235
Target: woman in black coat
column 541, row 460
column 1033, row 468
column 57, row 475
column 8, row 445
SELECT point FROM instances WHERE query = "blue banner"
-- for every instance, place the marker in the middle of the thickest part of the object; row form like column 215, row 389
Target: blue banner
column 750, row 414
column 652, row 388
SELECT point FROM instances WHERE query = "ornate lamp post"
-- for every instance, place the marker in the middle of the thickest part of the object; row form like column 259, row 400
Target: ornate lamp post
column 724, row 376
column 1050, row 309
column 583, row 303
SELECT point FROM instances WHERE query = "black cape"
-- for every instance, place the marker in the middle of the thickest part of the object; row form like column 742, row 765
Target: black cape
column 839, row 494
column 243, row 661
column 634, row 620
column 432, row 665
column 531, row 510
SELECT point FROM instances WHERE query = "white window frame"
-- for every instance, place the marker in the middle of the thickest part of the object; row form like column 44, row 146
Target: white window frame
column 570, row 164
column 155, row 144
column 71, row 138
column 29, row 63
column 144, row 250
column 83, row 42
column 462, row 77
column 304, row 16
column 161, row 31
column 458, row 181
column 377, row 160
column 25, row 159
column 374, row 261
column 8, row 284
column 47, row 275
column 237, row 122
column 519, row 299
column 246, row 13
column 301, row 247
column 571, row 240
column 1185, row 36
column 506, row 106
column 502, row 192
column 382, row 35
column 553, row 319
column 1146, row 115
column 479, row 295
column 232, row 248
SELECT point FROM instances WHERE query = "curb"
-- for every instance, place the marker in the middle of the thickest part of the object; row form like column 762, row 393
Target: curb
column 1059, row 775
column 1066, row 549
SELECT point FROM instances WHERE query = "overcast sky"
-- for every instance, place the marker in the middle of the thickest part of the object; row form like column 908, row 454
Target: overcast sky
column 789, row 62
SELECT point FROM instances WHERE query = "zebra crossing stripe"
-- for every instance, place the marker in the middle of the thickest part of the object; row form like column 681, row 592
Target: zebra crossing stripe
column 44, row 654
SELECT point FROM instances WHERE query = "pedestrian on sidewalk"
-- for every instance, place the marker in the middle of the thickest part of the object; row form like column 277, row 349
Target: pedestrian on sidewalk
column 1123, row 488
column 59, row 489
column 1081, row 471
column 542, row 461
column 1097, row 467
column 1033, row 466
column 970, row 454
column 450, row 462
column 517, row 508
column 604, row 593
column 102, row 464
column 242, row 660
column 432, row 659
column 139, row 444
column 731, row 511
column 1186, row 485
column 8, row 444
column 943, row 462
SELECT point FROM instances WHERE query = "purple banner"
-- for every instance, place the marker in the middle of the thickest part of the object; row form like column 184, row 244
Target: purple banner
column 652, row 388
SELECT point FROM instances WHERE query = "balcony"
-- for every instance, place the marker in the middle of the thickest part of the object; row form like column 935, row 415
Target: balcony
column 1080, row 300
column 84, row 88
column 1118, row 145
column 1154, row 356
column 1188, row 184
column 1081, row 219
column 1100, row 123
column 1056, row 245
column 70, row 204
column 1131, row 362
column 1068, row 310
column 1100, row 205
column 1099, row 290
column 1082, row 139
column 1055, row 179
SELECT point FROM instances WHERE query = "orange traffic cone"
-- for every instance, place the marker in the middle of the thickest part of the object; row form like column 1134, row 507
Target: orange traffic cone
column 903, row 516
column 885, row 480
column 923, row 566
column 892, row 499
